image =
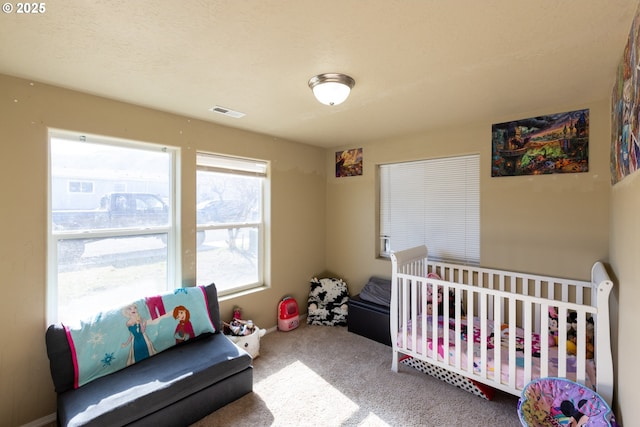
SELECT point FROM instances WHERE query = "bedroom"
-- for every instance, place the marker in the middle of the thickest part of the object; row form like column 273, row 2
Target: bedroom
column 337, row 230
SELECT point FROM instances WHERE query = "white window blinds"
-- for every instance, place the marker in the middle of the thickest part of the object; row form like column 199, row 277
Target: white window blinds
column 432, row 202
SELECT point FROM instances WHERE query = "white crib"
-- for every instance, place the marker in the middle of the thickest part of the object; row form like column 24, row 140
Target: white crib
column 488, row 301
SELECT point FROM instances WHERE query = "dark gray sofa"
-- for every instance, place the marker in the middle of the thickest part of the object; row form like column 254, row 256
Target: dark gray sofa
column 173, row 388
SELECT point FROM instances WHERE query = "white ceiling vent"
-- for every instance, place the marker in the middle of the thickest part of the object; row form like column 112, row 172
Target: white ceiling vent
column 227, row 112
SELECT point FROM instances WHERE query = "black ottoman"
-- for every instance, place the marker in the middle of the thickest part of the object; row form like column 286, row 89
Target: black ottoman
column 369, row 320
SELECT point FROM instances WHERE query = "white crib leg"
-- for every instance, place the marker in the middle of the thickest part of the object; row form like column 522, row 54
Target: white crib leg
column 394, row 361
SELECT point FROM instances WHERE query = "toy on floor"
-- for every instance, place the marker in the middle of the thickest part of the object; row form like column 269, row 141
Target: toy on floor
column 558, row 401
column 288, row 315
column 244, row 333
column 240, row 328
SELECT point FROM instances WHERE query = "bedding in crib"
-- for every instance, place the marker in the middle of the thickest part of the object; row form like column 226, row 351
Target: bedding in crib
column 494, row 341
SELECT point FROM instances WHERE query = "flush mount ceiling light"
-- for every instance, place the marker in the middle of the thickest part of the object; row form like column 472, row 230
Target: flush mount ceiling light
column 331, row 88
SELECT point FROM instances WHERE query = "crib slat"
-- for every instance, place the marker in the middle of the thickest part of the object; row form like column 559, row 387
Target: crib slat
column 512, row 343
column 445, row 326
column 413, row 310
column 405, row 312
column 470, row 317
column 424, row 326
column 544, row 341
column 434, row 320
column 528, row 342
column 458, row 327
column 562, row 342
column 483, row 335
column 551, row 291
column 581, row 349
column 497, row 344
column 538, row 310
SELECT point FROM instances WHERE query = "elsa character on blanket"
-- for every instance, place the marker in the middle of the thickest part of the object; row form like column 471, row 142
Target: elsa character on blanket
column 141, row 346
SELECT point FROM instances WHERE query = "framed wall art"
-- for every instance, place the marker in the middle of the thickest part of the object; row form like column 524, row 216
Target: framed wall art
column 555, row 143
column 625, row 111
column 349, row 162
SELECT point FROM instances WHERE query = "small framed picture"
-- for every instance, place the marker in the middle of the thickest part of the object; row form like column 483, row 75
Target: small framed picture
column 349, row 162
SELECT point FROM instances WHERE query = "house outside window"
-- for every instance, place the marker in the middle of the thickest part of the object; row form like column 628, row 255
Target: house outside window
column 434, row 202
column 108, row 247
column 231, row 222
column 80, row 187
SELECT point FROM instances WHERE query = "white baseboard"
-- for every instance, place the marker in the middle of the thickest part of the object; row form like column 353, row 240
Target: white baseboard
column 40, row 422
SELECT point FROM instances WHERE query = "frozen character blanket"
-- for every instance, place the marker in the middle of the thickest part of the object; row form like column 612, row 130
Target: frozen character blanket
column 117, row 338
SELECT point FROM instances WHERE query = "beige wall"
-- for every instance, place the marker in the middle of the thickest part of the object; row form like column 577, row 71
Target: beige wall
column 554, row 224
column 26, row 111
column 625, row 263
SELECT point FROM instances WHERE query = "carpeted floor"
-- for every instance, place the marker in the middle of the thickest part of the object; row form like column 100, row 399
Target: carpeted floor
column 327, row 376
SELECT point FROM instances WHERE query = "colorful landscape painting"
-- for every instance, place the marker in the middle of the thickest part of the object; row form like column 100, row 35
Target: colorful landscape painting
column 556, row 143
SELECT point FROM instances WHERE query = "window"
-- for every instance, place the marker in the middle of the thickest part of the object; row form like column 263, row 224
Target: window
column 432, row 202
column 80, row 187
column 108, row 246
column 231, row 222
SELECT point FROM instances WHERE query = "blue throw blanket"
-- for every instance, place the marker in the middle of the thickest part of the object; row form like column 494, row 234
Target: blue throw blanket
column 115, row 339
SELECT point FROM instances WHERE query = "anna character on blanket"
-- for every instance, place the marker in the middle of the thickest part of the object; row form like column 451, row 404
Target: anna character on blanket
column 184, row 329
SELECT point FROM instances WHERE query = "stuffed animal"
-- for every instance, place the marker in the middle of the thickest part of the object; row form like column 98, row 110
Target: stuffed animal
column 572, row 335
column 440, row 300
column 553, row 327
column 430, row 288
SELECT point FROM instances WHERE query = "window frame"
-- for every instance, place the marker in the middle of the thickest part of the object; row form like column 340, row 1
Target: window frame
column 172, row 229
column 240, row 166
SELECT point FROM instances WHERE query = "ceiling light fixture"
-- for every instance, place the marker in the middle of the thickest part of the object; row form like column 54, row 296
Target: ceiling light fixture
column 331, row 88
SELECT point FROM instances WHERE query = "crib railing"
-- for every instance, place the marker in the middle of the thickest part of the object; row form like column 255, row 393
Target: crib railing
column 499, row 300
column 556, row 289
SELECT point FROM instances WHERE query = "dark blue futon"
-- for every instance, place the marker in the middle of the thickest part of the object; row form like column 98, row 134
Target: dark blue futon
column 174, row 387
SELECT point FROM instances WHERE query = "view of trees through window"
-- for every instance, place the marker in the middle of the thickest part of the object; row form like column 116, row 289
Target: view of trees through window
column 230, row 222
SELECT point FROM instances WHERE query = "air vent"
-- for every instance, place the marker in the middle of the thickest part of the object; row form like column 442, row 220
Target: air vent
column 227, row 112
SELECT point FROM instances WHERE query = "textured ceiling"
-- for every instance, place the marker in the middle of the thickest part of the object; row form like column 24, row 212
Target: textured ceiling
column 418, row 64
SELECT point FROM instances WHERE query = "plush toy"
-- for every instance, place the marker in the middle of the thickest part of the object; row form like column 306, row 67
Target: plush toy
column 572, row 335
column 430, row 287
column 440, row 300
column 553, row 327
column 590, row 338
column 242, row 328
column 429, row 308
column 572, row 340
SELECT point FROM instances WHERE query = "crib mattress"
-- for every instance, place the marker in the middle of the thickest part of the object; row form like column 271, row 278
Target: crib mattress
column 369, row 320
